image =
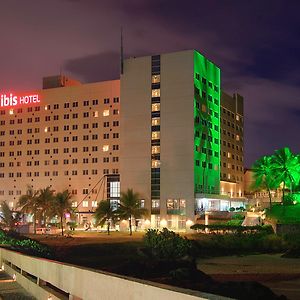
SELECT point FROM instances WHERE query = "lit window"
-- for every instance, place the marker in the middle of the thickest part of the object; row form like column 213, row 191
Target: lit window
column 228, row 154
column 155, row 135
column 106, row 113
column 156, row 93
column 74, row 204
column 155, row 121
column 155, row 163
column 237, row 137
column 96, row 114
column 155, row 203
column 105, row 148
column 94, row 203
column 156, row 107
column 85, row 203
column 11, row 111
column 237, row 117
column 155, row 78
column 155, row 149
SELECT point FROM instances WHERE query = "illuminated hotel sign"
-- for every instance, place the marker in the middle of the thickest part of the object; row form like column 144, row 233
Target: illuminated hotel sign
column 9, row 100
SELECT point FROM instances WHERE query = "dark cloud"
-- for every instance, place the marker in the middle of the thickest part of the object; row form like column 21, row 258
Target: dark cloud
column 255, row 43
column 97, row 67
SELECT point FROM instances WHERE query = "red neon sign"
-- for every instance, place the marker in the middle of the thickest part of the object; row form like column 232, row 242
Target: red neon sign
column 8, row 100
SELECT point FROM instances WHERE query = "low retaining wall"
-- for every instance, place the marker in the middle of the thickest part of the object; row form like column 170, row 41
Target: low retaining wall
column 46, row 279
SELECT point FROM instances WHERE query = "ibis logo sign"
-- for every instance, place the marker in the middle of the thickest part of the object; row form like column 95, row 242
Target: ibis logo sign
column 11, row 100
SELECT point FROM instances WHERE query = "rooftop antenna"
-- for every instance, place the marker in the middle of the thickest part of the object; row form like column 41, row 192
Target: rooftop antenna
column 121, row 53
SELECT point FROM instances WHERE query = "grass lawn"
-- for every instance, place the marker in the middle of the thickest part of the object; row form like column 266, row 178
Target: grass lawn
column 285, row 213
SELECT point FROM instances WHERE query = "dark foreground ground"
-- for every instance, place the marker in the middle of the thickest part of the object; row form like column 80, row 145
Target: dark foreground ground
column 112, row 253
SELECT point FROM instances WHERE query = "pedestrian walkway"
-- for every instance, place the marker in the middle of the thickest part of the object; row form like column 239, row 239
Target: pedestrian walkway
column 11, row 290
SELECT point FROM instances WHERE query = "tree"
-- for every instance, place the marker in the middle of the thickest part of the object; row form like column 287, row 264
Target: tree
column 105, row 214
column 8, row 218
column 130, row 206
column 62, row 205
column 29, row 203
column 46, row 202
column 263, row 176
column 286, row 169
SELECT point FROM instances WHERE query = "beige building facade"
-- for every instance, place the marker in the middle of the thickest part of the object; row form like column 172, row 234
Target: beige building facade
column 67, row 139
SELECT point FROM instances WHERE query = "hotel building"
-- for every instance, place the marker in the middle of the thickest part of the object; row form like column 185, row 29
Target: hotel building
column 162, row 130
column 68, row 139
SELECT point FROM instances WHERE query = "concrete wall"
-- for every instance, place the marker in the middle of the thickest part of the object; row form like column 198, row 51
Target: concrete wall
column 177, row 130
column 135, row 138
column 88, row 284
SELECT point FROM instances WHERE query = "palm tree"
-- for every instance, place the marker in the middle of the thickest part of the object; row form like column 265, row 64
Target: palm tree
column 46, row 202
column 130, row 206
column 263, row 176
column 8, row 218
column 105, row 214
column 62, row 205
column 286, row 168
column 29, row 203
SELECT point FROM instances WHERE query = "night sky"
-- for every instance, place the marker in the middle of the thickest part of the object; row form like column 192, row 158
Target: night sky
column 255, row 43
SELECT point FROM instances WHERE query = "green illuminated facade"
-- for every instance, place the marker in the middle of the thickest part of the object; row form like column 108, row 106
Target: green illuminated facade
column 206, row 125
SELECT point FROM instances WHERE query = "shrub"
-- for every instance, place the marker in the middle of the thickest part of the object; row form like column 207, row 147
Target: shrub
column 236, row 222
column 24, row 245
column 225, row 228
column 238, row 217
column 231, row 209
column 166, row 245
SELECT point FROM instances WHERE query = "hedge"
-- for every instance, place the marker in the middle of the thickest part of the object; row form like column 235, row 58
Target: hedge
column 232, row 228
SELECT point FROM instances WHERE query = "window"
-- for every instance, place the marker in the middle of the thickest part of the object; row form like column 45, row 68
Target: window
column 115, row 111
column 155, row 135
column 156, row 107
column 75, row 104
column 86, row 114
column 105, row 124
column 85, row 203
column 106, row 113
column 55, row 118
column 115, row 147
column 116, row 100
column 86, row 103
column 106, row 136
column 115, row 135
column 155, row 79
column 105, row 148
column 106, row 101
column 156, row 93
column 95, row 102
column 66, row 105
column 155, row 121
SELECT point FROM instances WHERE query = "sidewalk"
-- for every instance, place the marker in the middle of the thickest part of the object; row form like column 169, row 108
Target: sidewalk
column 11, row 290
